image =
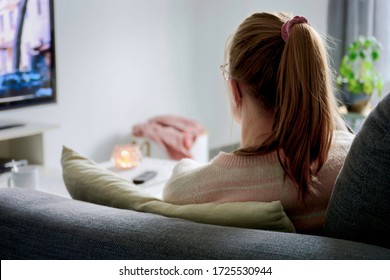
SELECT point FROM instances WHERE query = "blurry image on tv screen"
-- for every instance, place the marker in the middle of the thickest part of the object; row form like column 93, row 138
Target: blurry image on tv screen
column 25, row 50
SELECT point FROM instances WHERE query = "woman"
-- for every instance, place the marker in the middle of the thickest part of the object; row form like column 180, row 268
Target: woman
column 291, row 148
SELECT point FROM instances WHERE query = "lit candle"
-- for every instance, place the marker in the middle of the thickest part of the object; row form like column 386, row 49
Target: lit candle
column 126, row 156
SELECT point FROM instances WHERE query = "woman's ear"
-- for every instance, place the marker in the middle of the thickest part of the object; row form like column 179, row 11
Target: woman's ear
column 236, row 92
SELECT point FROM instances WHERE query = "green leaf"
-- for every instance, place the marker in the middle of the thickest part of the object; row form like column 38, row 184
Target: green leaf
column 353, row 47
column 368, row 88
column 354, row 86
column 346, row 71
column 380, row 85
column 375, row 54
column 352, row 56
column 367, row 66
column 367, row 43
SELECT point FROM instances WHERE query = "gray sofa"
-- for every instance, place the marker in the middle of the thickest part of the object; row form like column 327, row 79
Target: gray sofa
column 36, row 225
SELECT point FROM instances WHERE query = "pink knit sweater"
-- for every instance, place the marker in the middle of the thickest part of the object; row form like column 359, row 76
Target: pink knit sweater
column 229, row 177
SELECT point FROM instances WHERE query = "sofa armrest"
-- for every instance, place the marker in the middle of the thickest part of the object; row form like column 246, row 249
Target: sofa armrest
column 359, row 207
column 36, row 225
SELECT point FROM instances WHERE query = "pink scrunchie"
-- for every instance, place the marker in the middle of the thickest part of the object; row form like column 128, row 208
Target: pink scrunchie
column 286, row 27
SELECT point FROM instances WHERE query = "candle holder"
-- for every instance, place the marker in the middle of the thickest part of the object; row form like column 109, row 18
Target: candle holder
column 126, row 156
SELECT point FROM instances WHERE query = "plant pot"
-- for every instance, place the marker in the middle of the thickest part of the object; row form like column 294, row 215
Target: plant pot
column 355, row 102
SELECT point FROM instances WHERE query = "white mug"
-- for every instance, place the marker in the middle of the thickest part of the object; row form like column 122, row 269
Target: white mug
column 24, row 177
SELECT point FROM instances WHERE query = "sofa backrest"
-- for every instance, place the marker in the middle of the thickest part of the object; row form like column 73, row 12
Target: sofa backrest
column 359, row 208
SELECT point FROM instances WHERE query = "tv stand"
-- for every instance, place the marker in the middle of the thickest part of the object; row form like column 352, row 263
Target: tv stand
column 6, row 125
column 22, row 140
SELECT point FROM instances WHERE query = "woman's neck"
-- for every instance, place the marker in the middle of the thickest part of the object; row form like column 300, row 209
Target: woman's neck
column 255, row 128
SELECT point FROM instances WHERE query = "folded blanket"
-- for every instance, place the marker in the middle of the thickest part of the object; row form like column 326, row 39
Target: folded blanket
column 174, row 134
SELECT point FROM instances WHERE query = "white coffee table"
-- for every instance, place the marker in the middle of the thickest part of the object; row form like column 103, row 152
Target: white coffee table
column 154, row 186
column 50, row 179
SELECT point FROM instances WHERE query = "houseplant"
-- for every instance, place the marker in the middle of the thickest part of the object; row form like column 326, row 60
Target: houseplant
column 358, row 79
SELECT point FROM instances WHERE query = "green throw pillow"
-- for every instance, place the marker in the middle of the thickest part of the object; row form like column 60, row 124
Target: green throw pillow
column 87, row 181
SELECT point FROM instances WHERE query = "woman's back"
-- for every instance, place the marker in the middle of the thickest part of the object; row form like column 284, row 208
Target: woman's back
column 230, row 177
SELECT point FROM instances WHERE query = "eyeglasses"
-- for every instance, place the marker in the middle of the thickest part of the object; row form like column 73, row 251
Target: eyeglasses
column 224, row 71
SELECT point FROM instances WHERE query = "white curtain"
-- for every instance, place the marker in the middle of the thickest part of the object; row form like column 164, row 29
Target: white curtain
column 382, row 32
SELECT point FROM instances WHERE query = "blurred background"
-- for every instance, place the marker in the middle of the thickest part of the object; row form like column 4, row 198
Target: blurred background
column 120, row 62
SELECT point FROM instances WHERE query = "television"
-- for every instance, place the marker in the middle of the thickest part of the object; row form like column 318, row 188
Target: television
column 27, row 53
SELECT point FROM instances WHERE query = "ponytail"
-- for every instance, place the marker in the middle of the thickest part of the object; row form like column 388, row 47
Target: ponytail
column 304, row 122
column 291, row 79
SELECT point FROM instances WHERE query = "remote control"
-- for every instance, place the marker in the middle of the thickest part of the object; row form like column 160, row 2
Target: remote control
column 143, row 177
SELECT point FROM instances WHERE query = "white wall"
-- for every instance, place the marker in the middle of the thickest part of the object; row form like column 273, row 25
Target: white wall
column 120, row 62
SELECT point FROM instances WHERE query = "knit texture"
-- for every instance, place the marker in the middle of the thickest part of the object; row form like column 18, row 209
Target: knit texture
column 229, row 177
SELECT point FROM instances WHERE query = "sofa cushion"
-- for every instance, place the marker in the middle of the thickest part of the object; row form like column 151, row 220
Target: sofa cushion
column 359, row 208
column 87, row 181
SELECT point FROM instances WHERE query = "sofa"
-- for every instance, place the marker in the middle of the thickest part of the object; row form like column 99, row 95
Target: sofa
column 37, row 225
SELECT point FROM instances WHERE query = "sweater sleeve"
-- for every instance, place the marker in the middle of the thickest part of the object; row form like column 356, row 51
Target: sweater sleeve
column 185, row 166
column 183, row 177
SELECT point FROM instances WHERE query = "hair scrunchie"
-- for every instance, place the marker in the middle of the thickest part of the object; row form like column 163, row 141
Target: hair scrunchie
column 286, row 27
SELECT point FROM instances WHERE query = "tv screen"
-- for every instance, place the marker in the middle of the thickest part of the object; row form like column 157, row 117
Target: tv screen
column 27, row 53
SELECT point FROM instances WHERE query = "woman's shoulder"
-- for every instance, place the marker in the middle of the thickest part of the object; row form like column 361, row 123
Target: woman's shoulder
column 341, row 143
column 342, row 138
column 225, row 161
column 343, row 135
column 189, row 167
column 224, row 164
column 186, row 165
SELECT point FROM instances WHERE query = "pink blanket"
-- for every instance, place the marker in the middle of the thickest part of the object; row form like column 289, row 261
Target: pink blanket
column 174, row 134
